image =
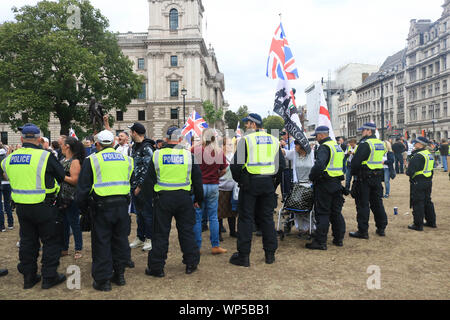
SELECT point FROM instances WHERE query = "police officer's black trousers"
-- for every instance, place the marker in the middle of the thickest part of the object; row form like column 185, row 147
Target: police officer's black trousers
column 171, row 204
column 328, row 202
column 109, row 236
column 421, row 202
column 370, row 196
column 256, row 204
column 39, row 222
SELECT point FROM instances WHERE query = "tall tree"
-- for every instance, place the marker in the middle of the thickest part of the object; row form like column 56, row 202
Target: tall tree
column 273, row 123
column 54, row 58
column 212, row 115
column 231, row 119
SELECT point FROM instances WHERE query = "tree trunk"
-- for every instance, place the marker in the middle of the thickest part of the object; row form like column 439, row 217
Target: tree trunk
column 65, row 126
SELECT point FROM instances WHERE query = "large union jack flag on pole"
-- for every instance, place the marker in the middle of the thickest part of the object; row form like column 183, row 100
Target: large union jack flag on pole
column 194, row 126
column 281, row 63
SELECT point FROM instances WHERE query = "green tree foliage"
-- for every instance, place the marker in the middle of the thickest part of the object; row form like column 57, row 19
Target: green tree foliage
column 48, row 67
column 231, row 119
column 273, row 122
column 211, row 114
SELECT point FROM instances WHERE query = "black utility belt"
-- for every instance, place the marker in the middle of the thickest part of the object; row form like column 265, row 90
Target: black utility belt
column 111, row 201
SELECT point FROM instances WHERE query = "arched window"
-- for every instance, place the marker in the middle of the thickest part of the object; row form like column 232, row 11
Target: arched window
column 173, row 19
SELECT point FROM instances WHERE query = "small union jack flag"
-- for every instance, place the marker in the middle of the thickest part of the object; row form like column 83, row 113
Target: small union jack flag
column 281, row 63
column 194, row 126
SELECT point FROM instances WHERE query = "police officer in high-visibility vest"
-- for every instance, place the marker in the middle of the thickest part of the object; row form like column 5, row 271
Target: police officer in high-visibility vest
column 34, row 175
column 327, row 175
column 367, row 167
column 257, row 160
column 105, row 186
column 420, row 172
column 172, row 175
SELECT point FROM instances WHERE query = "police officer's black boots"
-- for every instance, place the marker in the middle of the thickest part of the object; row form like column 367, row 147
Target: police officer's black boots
column 118, row 278
column 359, row 235
column 102, row 286
column 316, row 246
column 240, row 260
column 155, row 273
column 191, row 269
column 130, row 264
column 48, row 283
column 430, row 225
column 338, row 243
column 31, row 280
column 270, row 257
column 3, row 272
column 381, row 232
column 415, row 227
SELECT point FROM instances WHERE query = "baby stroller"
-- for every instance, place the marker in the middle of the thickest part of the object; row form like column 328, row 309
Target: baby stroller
column 299, row 202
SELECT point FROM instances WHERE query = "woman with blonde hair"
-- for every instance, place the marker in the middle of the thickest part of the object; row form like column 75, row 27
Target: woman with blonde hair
column 388, row 167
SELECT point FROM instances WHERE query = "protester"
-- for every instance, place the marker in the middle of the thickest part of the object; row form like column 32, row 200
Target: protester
column 123, row 146
column 444, row 154
column 350, row 152
column 74, row 155
column 398, row 148
column 388, row 167
column 5, row 194
column 287, row 143
column 213, row 165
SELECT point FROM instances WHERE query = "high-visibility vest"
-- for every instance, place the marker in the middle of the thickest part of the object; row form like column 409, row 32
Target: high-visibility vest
column 112, row 173
column 25, row 169
column 335, row 164
column 377, row 151
column 173, row 169
column 429, row 164
column 262, row 149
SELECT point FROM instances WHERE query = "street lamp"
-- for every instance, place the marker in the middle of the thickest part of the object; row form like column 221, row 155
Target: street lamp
column 184, row 93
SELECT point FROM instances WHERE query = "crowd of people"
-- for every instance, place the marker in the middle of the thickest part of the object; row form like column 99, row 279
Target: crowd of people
column 106, row 178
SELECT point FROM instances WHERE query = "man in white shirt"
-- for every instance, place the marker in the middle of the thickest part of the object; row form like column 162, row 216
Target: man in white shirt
column 123, row 147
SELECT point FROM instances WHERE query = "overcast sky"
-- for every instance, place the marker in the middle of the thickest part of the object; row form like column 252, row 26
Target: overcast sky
column 323, row 34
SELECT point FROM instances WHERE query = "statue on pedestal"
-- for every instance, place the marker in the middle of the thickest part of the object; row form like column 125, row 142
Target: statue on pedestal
column 96, row 115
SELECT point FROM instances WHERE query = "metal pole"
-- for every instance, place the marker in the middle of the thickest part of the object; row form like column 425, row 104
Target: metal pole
column 184, row 108
column 382, row 111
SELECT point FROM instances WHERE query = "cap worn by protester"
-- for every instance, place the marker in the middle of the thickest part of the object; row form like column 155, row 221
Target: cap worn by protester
column 30, row 131
column 174, row 133
column 321, row 129
column 422, row 140
column 368, row 126
column 159, row 141
column 105, row 138
column 138, row 128
column 253, row 117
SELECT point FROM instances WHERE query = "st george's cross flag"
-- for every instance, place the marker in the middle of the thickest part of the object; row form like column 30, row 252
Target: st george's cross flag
column 324, row 114
column 194, row 126
column 281, row 63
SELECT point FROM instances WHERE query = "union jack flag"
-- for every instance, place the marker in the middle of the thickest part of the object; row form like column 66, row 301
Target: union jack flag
column 281, row 63
column 194, row 126
column 389, row 125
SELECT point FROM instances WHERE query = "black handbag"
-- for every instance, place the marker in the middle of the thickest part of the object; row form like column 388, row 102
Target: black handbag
column 300, row 198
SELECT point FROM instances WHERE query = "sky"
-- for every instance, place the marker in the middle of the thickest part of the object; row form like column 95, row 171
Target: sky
column 323, row 35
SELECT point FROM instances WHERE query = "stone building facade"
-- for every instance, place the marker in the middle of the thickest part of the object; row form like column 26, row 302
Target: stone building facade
column 428, row 76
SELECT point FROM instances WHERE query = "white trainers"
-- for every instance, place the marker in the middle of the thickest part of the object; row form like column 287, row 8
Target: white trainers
column 147, row 245
column 136, row 243
column 10, row 228
column 18, row 244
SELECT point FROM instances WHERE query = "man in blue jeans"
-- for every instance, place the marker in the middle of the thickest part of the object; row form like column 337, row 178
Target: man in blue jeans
column 5, row 199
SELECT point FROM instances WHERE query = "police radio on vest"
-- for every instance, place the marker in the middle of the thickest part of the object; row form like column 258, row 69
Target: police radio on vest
column 21, row 159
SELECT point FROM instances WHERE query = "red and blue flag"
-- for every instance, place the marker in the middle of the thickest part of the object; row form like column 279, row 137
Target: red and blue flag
column 194, row 126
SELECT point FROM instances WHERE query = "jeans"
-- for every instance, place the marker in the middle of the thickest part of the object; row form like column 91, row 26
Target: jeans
column 444, row 162
column 387, row 181
column 71, row 219
column 348, row 177
column 144, row 217
column 5, row 190
column 210, row 205
column 398, row 162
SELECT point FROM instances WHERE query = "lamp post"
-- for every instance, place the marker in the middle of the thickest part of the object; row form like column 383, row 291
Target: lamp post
column 184, row 93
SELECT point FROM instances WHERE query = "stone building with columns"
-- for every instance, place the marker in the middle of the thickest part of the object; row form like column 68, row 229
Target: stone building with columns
column 428, row 76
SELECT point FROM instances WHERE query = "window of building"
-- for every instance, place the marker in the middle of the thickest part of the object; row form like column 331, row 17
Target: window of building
column 174, row 61
column 141, row 63
column 437, row 110
column 174, row 88
column 424, row 72
column 412, row 75
column 431, row 112
column 173, row 19
column 437, row 67
column 430, row 70
column 141, row 115
column 174, row 114
column 143, row 93
column 119, row 115
column 444, row 114
column 444, row 86
column 430, row 90
column 4, row 137
column 424, row 93
column 437, row 88
column 424, row 113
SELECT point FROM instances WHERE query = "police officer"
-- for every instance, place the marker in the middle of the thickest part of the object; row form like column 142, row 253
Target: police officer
column 258, row 158
column 171, row 177
column 420, row 171
column 367, row 166
column 105, row 186
column 34, row 175
column 327, row 175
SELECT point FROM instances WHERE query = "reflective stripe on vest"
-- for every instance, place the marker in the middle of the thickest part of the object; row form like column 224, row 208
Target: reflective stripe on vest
column 429, row 164
column 335, row 166
column 25, row 170
column 377, row 151
column 262, row 149
column 173, row 169
column 109, row 168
